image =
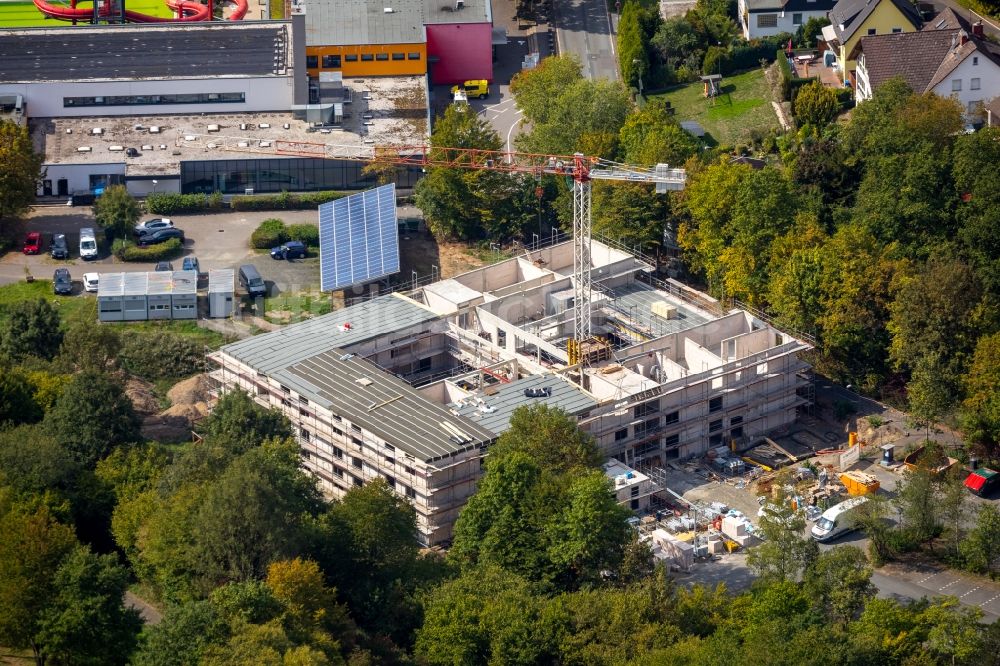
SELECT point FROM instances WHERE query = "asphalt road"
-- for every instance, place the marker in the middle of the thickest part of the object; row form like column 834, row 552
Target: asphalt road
column 583, row 28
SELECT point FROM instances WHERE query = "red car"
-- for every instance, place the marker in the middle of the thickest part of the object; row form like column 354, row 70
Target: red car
column 33, row 243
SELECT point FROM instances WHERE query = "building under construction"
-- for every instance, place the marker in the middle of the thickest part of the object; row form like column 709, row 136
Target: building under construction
column 413, row 387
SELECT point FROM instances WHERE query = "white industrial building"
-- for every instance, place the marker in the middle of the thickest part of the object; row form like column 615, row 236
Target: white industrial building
column 413, row 388
column 143, row 296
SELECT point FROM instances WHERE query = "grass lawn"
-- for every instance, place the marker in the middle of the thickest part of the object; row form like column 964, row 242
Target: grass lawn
column 744, row 105
column 290, row 308
column 26, row 15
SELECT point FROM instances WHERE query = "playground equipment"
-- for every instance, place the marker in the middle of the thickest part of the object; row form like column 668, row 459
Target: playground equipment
column 112, row 11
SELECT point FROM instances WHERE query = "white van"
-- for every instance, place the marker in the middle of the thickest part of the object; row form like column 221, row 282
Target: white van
column 837, row 520
column 88, row 244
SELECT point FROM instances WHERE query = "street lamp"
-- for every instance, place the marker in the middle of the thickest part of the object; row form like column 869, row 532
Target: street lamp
column 635, row 61
column 155, row 183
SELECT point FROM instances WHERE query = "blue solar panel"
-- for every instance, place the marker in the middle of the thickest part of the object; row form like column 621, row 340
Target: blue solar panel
column 358, row 238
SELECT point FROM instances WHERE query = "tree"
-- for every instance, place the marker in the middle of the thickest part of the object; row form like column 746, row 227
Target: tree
column 585, row 116
column 929, row 393
column 550, row 437
column 17, row 399
column 651, row 135
column 808, row 32
column 918, row 508
column 33, row 464
column 86, row 622
column 632, row 58
column 89, row 347
column 91, row 417
column 182, row 637
column 982, row 393
column 311, row 613
column 20, row 169
column 238, row 424
column 953, row 503
column 815, row 105
column 840, row 582
column 785, row 553
column 981, row 547
column 31, row 329
column 533, row 88
column 117, row 211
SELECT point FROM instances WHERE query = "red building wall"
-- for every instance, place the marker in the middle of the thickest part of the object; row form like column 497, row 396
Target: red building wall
column 464, row 51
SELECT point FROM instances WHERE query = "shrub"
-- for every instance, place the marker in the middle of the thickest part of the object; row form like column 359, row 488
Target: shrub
column 171, row 203
column 307, row 233
column 270, row 233
column 155, row 355
column 126, row 250
column 283, row 201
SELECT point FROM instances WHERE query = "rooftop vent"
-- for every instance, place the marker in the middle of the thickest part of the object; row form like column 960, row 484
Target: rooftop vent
column 97, row 131
column 364, row 381
column 154, row 129
column 83, row 149
column 116, row 149
column 388, row 10
column 544, row 392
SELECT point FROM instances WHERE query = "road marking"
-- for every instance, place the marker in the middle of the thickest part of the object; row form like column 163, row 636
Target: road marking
column 970, row 591
column 611, row 32
column 989, row 601
column 924, row 580
column 949, row 585
column 511, row 130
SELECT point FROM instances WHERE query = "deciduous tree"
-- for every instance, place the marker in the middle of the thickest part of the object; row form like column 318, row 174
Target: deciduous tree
column 982, row 393
column 238, row 424
column 31, row 329
column 840, row 581
column 20, row 170
column 815, row 106
column 117, row 211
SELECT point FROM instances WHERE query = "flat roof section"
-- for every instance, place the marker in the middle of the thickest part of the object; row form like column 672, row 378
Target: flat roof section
column 364, row 22
column 382, row 404
column 148, row 51
column 277, row 350
column 633, row 303
column 494, row 409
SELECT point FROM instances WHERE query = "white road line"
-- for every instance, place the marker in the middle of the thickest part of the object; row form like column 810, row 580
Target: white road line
column 989, row 600
column 924, row 580
column 611, row 30
column 970, row 591
column 511, row 130
column 949, row 585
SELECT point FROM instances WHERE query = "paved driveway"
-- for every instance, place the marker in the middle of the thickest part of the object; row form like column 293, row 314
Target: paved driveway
column 583, row 28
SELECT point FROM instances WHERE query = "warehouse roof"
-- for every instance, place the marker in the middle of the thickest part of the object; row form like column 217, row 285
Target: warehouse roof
column 365, row 395
column 147, row 51
column 493, row 410
column 292, row 344
column 340, row 22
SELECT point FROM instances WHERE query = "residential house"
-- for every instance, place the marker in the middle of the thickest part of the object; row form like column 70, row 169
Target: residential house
column 949, row 57
column 851, row 20
column 764, row 18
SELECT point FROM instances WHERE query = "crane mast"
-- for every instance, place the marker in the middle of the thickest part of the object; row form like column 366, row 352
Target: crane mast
column 582, row 169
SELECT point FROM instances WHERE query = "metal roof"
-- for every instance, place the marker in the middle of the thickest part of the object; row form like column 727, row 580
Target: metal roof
column 159, row 283
column 343, row 22
column 110, row 285
column 184, row 282
column 135, row 284
column 494, row 410
column 148, row 51
column 221, row 280
column 378, row 402
column 287, row 346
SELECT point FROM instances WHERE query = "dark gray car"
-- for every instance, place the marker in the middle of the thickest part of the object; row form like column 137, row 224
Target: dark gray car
column 59, row 248
column 62, row 283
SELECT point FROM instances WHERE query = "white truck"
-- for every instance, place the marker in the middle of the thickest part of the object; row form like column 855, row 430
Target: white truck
column 88, row 244
column 837, row 520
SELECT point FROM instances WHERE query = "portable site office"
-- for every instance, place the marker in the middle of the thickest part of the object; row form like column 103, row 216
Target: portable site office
column 221, row 292
column 184, row 295
column 133, row 296
column 158, row 295
column 109, row 297
column 142, row 296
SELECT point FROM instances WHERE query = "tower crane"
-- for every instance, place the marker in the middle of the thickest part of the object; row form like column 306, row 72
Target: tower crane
column 582, row 169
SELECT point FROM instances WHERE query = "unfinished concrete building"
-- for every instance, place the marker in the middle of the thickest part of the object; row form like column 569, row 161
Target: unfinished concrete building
column 413, row 388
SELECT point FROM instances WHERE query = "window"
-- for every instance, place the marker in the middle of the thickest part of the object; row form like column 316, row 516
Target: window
column 339, row 472
column 356, row 428
column 367, row 57
column 424, row 365
column 413, row 56
column 672, row 440
column 956, row 85
column 647, row 427
column 736, row 420
column 896, row 31
column 331, row 62
column 715, row 404
column 312, row 62
column 409, row 470
column 305, row 434
column 621, row 434
column 351, row 57
column 153, row 100
column 871, row 31
column 399, row 56
column 357, row 481
column 973, row 107
column 635, row 491
column 796, row 19
column 646, row 408
column 356, row 462
column 285, row 388
column 410, row 492
column 974, row 84
column 736, row 433
column 303, row 401
column 673, row 417
column 390, row 480
column 715, row 425
column 337, row 452
column 381, row 56
column 767, row 20
column 715, row 440
column 975, row 60
column 634, row 504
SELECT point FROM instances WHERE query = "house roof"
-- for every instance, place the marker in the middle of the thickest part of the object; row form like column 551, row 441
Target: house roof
column 925, row 58
column 343, row 22
column 847, row 16
column 915, row 56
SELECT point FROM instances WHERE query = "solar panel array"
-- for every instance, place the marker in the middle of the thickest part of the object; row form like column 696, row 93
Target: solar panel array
column 358, row 238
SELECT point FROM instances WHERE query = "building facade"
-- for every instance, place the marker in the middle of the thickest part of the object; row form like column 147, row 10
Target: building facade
column 414, row 388
column 851, row 20
column 765, row 18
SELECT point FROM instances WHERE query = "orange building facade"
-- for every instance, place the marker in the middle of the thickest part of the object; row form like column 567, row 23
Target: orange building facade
column 368, row 59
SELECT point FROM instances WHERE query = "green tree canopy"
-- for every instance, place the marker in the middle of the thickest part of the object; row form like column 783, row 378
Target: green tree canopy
column 651, row 135
column 238, row 424
column 982, row 393
column 31, row 329
column 117, row 211
column 20, row 170
column 815, row 105
column 550, row 437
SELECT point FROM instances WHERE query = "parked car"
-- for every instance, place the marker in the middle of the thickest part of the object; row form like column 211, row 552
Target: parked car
column 290, row 250
column 33, row 243
column 62, row 283
column 477, row 88
column 251, row 281
column 161, row 235
column 59, row 248
column 90, row 281
column 838, row 519
column 148, row 226
column 191, row 264
column 162, row 266
column 88, row 244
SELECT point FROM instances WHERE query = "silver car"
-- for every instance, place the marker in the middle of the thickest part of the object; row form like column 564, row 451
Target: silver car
column 155, row 224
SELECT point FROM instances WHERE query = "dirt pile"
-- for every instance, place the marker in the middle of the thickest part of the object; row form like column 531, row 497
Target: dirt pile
column 143, row 396
column 189, row 401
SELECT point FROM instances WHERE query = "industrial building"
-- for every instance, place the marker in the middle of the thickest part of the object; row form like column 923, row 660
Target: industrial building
column 449, row 40
column 413, row 388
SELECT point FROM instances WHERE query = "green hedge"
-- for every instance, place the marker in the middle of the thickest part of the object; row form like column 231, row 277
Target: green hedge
column 307, row 233
column 268, row 234
column 789, row 82
column 283, row 201
column 155, row 355
column 170, row 203
column 126, row 250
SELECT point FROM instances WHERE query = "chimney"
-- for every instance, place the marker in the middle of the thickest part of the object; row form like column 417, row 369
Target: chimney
column 963, row 37
column 977, row 29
